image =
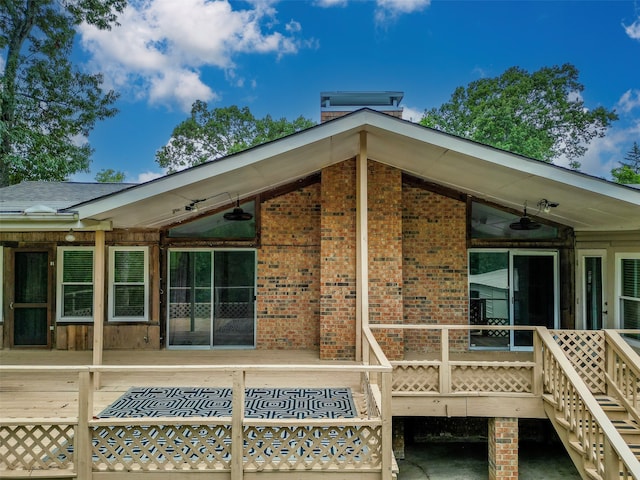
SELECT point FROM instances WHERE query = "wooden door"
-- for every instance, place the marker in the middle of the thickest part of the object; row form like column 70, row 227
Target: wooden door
column 30, row 300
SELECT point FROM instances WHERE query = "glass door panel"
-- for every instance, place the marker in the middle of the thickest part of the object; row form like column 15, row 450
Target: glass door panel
column 234, row 300
column 511, row 287
column 489, row 298
column 593, row 291
column 211, row 298
column 190, row 298
column 30, row 306
column 534, row 294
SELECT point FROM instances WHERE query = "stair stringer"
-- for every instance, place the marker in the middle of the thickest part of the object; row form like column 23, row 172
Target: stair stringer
column 565, row 436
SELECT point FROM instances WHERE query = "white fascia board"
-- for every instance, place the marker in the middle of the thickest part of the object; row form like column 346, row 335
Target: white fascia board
column 506, row 159
column 22, row 223
column 217, row 167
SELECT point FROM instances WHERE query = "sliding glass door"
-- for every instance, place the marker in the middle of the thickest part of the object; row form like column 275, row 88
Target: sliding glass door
column 211, row 298
column 534, row 294
column 511, row 287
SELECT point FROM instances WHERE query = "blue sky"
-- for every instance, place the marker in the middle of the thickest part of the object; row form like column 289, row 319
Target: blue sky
column 277, row 56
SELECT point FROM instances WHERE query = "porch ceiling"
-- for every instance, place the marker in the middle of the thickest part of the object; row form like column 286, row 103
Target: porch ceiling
column 586, row 203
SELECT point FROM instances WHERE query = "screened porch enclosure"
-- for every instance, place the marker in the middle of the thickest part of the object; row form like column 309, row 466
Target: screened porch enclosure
column 211, row 298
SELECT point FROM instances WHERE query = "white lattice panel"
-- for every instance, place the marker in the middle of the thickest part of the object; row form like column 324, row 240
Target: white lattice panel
column 163, row 447
column 586, row 351
column 307, row 447
column 415, row 378
column 36, row 447
column 491, row 378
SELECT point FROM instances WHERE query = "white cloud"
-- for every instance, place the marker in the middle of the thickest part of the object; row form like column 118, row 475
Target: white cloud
column 605, row 153
column 412, row 114
column 331, row 3
column 148, row 176
column 390, row 9
column 629, row 100
column 633, row 30
column 385, row 9
column 161, row 45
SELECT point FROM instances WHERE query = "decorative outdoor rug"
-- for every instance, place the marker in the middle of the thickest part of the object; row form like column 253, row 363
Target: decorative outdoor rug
column 216, row 402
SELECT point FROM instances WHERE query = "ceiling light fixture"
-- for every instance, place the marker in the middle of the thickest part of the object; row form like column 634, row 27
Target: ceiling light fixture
column 546, row 206
column 70, row 237
column 525, row 222
column 238, row 214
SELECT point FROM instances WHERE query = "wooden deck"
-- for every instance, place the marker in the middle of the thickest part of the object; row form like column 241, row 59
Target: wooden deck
column 48, row 395
column 55, row 394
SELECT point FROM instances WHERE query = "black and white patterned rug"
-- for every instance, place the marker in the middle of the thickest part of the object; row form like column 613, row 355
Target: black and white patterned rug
column 216, row 402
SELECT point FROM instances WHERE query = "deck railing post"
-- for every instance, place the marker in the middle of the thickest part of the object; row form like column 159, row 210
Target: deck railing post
column 537, row 358
column 387, row 431
column 237, row 430
column 445, row 368
column 82, row 442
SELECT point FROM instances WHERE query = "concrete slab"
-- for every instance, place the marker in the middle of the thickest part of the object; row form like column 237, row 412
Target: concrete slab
column 469, row 461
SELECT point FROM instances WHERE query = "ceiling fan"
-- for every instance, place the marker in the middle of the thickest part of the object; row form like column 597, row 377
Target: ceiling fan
column 525, row 222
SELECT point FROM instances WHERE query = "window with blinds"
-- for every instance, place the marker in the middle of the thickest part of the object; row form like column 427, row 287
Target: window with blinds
column 629, row 292
column 75, row 284
column 128, row 287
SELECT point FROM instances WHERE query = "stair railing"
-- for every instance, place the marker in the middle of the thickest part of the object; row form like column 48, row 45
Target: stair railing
column 623, row 372
column 603, row 449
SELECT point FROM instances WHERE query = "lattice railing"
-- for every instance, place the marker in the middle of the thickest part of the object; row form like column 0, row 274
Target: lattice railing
column 492, row 377
column 161, row 447
column 36, row 447
column 297, row 447
column 585, row 349
column 415, row 376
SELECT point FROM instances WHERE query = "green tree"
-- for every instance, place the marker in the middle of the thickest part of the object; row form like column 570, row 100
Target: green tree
column 209, row 134
column 540, row 115
column 47, row 104
column 109, row 175
column 629, row 170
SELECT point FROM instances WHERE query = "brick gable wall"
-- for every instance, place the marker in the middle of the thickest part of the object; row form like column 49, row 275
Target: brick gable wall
column 385, row 255
column 435, row 266
column 307, row 264
column 338, row 262
column 288, row 275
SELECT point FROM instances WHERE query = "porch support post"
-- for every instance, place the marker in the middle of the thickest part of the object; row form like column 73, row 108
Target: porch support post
column 362, row 248
column 503, row 449
column 98, row 302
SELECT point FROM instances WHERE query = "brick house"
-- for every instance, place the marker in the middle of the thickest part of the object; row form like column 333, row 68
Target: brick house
column 438, row 212
column 363, row 219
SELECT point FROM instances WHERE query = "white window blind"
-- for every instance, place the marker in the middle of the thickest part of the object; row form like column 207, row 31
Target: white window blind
column 75, row 298
column 630, row 292
column 129, row 287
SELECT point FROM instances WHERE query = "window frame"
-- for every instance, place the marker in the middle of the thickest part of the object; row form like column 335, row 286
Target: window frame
column 112, row 284
column 1, row 283
column 619, row 257
column 60, row 318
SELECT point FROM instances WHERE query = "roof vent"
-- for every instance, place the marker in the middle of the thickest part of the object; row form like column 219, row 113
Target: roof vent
column 39, row 209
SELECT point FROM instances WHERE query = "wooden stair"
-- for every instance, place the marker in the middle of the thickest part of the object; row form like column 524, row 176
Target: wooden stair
column 627, row 426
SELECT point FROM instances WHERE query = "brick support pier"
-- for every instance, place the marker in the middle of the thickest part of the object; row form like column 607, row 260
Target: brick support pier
column 503, row 448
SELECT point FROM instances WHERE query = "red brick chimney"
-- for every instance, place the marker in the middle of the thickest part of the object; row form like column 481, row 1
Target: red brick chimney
column 337, row 104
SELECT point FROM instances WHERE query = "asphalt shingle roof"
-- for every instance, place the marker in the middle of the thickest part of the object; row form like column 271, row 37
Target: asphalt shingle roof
column 56, row 195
